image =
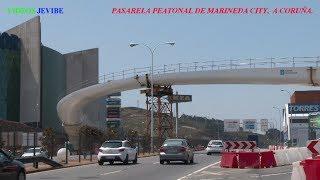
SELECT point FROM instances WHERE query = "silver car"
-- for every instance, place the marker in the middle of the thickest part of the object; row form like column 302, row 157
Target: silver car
column 39, row 151
column 214, row 146
column 176, row 150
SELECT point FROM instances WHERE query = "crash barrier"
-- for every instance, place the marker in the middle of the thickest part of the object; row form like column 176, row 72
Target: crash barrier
column 297, row 171
column 267, row 159
column 247, row 159
column 229, row 160
column 274, row 147
column 37, row 159
column 291, row 155
column 306, row 170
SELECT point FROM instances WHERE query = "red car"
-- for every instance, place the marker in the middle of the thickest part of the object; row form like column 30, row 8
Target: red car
column 11, row 169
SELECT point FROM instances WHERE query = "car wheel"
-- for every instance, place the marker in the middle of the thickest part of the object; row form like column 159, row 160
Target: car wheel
column 135, row 159
column 110, row 162
column 208, row 153
column 100, row 163
column 161, row 161
column 22, row 176
column 168, row 162
column 126, row 160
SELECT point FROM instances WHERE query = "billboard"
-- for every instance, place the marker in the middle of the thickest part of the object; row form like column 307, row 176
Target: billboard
column 180, row 98
column 303, row 108
column 113, row 102
column 231, row 125
column 113, row 108
column 249, row 125
column 264, row 125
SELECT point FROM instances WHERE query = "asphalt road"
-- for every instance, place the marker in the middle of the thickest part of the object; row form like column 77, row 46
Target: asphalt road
column 147, row 168
column 215, row 172
column 205, row 168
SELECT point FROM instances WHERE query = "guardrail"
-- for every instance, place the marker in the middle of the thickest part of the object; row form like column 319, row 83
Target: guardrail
column 203, row 66
column 37, row 159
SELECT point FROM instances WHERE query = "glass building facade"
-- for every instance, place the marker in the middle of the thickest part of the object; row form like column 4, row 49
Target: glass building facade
column 9, row 77
column 53, row 87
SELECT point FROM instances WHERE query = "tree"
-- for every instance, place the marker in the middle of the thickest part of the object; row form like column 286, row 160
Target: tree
column 112, row 133
column 48, row 140
column 273, row 136
column 1, row 144
column 90, row 136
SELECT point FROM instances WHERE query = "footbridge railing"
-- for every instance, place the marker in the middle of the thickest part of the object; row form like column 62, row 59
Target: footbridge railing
column 312, row 61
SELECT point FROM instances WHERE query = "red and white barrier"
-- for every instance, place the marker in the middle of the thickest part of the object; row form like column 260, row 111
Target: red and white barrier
column 308, row 169
column 276, row 147
column 297, row 172
column 248, row 159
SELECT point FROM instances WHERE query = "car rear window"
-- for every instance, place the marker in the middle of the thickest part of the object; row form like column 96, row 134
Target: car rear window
column 112, row 144
column 172, row 143
column 216, row 143
column 31, row 150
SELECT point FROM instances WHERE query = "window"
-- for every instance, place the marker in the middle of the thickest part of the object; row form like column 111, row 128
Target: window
column 112, row 144
column 216, row 143
column 30, row 150
column 126, row 144
column 3, row 157
column 173, row 143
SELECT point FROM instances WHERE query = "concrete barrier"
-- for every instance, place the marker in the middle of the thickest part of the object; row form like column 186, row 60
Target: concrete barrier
column 291, row 155
column 298, row 172
column 281, row 158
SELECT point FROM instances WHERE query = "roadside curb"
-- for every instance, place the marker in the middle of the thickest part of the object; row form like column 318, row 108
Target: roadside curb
column 63, row 167
column 54, row 168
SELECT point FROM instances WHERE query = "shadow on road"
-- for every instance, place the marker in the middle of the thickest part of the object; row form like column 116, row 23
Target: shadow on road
column 120, row 164
column 179, row 163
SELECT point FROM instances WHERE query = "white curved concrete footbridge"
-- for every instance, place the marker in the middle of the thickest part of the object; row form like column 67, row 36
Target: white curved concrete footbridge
column 255, row 72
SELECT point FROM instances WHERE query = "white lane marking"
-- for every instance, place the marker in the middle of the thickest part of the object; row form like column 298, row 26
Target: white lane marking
column 267, row 175
column 199, row 170
column 156, row 163
column 110, row 173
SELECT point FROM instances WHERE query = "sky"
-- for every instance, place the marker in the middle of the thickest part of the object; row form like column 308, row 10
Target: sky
column 90, row 24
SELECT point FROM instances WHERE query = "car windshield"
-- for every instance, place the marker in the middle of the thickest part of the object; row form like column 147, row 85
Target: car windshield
column 215, row 143
column 31, row 150
column 112, row 144
column 172, row 143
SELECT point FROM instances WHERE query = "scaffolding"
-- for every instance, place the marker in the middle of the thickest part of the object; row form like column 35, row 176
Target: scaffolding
column 163, row 116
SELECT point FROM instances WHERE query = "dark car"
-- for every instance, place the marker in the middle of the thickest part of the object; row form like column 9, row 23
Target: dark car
column 176, row 150
column 11, row 169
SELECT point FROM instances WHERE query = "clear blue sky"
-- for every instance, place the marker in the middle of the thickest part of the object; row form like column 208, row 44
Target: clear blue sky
column 88, row 24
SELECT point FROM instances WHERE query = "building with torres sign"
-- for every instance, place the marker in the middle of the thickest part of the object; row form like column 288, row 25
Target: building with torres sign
column 297, row 115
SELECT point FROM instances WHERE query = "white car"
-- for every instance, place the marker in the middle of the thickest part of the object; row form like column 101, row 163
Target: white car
column 117, row 150
column 39, row 152
column 214, row 146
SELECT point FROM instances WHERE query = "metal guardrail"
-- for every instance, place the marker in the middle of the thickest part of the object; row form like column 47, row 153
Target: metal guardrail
column 37, row 159
column 203, row 66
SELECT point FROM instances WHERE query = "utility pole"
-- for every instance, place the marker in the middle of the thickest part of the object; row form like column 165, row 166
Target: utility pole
column 177, row 115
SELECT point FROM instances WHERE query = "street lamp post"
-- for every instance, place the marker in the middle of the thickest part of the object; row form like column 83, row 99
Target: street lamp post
column 152, row 51
column 279, row 122
column 290, row 117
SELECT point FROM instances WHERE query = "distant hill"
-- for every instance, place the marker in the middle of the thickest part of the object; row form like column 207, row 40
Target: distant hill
column 190, row 127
